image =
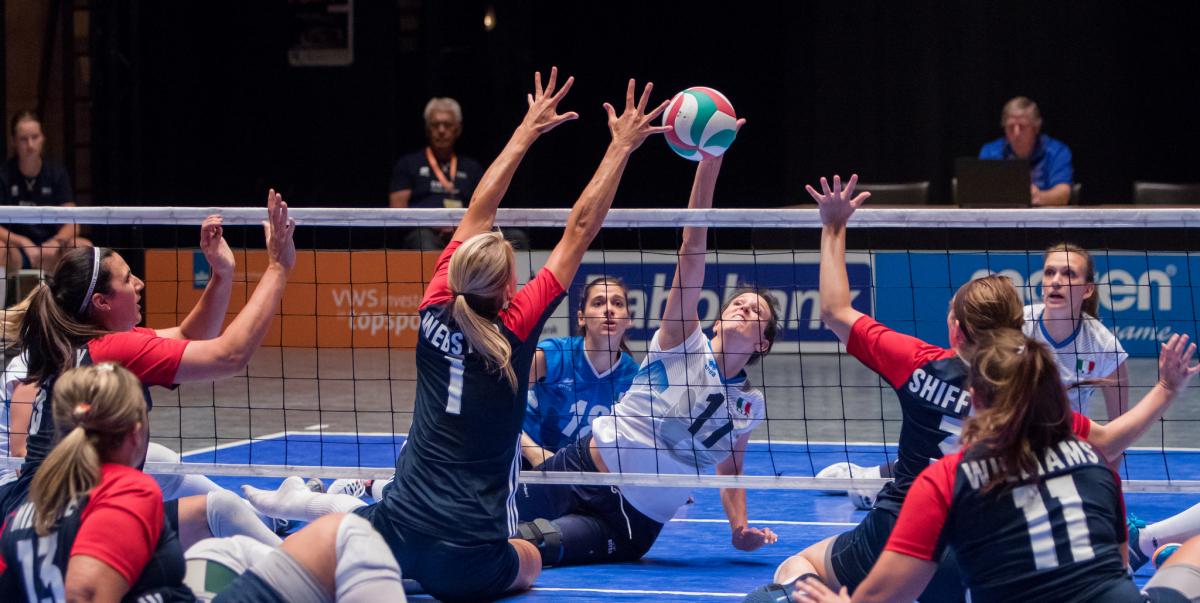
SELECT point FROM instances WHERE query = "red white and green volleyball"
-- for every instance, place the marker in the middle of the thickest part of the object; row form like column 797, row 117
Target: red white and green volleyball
column 703, row 123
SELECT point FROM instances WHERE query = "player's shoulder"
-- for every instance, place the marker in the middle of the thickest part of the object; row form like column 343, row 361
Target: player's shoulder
column 123, row 482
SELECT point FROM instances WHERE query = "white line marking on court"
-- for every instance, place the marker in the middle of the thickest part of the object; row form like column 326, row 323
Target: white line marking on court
column 617, row 591
column 315, row 427
column 839, row 524
column 384, row 434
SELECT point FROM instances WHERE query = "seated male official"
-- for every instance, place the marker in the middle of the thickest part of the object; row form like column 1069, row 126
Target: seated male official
column 435, row 176
column 1051, row 174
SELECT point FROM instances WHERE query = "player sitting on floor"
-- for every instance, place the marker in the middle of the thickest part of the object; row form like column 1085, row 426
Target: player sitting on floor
column 930, row 383
column 690, row 409
column 87, row 312
column 573, row 380
column 451, row 507
column 98, row 527
column 577, row 379
column 1023, row 468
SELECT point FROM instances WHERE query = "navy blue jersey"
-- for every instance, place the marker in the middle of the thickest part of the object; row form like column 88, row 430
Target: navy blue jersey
column 930, row 382
column 51, row 186
column 564, row 401
column 413, row 172
column 456, row 476
column 1056, row 536
column 153, row 359
column 120, row 523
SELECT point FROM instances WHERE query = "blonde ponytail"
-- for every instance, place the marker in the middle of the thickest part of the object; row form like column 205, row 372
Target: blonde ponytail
column 95, row 407
column 480, row 274
column 70, row 471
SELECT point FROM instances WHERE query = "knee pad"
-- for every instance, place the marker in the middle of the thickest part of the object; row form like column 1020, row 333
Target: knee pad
column 776, row 593
column 363, row 557
column 214, row 563
column 545, row 536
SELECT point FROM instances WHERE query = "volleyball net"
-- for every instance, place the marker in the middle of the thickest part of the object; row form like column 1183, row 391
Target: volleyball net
column 330, row 392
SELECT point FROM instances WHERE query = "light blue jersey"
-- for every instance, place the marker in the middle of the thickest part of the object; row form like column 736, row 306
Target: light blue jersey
column 563, row 403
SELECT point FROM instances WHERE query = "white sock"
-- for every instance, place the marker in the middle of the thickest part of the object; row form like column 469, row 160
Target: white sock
column 229, row 515
column 293, row 500
column 366, row 568
column 1177, row 528
column 377, row 487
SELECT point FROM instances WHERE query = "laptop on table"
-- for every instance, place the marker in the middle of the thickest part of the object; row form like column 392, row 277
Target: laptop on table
column 992, row 182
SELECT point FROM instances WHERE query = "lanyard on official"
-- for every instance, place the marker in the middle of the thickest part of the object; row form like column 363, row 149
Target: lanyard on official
column 448, row 184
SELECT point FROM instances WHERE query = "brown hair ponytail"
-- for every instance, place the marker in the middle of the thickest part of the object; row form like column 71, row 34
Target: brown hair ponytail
column 1020, row 405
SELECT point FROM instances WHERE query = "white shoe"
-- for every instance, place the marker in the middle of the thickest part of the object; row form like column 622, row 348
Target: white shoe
column 840, row 471
column 358, row 488
column 863, row 498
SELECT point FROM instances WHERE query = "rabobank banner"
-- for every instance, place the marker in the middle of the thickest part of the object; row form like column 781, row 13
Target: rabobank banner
column 791, row 278
column 1144, row 297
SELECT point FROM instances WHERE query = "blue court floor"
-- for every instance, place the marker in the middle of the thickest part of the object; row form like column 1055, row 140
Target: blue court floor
column 693, row 559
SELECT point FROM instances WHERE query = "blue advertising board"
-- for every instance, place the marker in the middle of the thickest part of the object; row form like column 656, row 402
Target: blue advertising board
column 791, row 277
column 1144, row 297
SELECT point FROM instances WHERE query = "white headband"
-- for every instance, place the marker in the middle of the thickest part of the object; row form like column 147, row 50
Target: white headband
column 87, row 299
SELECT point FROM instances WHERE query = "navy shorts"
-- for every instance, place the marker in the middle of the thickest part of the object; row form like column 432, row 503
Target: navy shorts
column 447, row 570
column 14, row 493
column 597, row 524
column 853, row 553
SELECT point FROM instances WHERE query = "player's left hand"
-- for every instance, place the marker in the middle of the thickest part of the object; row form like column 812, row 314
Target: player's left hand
column 746, row 538
column 814, row 590
column 216, row 250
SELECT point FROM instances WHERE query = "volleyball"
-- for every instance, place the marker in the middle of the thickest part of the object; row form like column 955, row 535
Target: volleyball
column 703, row 123
column 1164, row 552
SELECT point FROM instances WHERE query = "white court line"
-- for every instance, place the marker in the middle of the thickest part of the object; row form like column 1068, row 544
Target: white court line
column 617, row 591
column 839, row 524
column 383, row 434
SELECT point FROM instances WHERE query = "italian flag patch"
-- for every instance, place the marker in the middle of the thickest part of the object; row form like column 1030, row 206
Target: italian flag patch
column 743, row 406
column 1084, row 366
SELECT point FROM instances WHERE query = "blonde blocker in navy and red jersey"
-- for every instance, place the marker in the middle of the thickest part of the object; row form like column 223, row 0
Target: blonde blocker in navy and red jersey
column 1055, row 536
column 457, row 474
column 930, row 382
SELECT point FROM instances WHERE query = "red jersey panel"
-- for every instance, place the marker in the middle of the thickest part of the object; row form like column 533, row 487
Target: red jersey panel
column 930, row 382
column 154, row 359
column 1052, row 537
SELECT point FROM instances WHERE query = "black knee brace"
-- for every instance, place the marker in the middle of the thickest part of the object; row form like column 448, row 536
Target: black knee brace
column 545, row 536
column 776, row 593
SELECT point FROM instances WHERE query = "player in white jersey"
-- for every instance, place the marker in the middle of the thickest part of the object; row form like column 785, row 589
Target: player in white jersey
column 1089, row 355
column 689, row 410
column 15, row 410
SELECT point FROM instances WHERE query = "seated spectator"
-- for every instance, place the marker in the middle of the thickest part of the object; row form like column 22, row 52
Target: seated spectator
column 1050, row 168
column 30, row 179
column 436, row 176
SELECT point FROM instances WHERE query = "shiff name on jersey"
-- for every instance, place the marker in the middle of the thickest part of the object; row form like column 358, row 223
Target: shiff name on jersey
column 440, row 336
column 938, row 392
column 1073, row 452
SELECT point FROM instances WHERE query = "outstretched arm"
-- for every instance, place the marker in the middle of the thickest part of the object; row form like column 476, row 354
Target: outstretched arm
column 733, row 500
column 541, row 117
column 208, row 315
column 1174, row 376
column 837, row 205
column 628, row 132
column 679, row 318
column 231, row 352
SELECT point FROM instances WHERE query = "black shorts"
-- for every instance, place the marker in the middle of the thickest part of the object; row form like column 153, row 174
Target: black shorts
column 14, row 493
column 447, row 570
column 853, row 553
column 598, row 525
column 249, row 588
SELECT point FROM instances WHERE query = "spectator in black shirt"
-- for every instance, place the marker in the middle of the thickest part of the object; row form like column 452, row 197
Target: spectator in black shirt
column 30, row 179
